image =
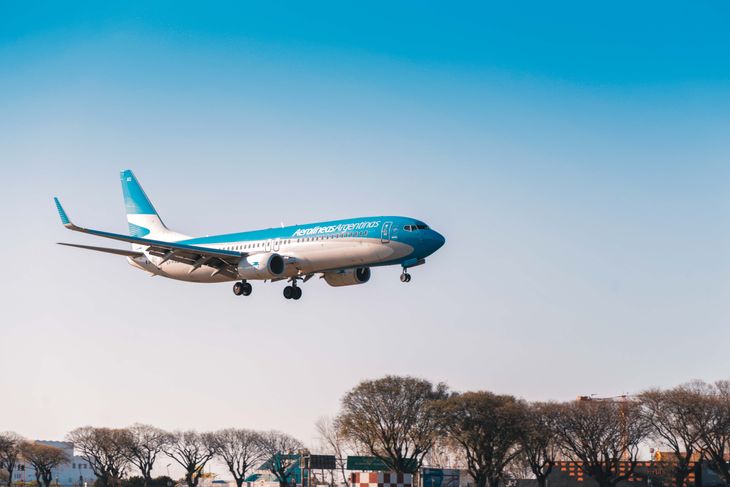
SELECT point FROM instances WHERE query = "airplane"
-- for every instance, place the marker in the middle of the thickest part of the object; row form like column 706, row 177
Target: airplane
column 340, row 251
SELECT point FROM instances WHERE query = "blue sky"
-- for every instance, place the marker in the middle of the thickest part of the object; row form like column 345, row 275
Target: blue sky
column 575, row 157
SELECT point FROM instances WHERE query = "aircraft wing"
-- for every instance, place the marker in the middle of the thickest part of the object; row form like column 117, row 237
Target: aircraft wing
column 224, row 261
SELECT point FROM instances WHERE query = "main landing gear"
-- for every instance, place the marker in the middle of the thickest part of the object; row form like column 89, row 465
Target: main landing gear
column 242, row 288
column 293, row 291
column 405, row 277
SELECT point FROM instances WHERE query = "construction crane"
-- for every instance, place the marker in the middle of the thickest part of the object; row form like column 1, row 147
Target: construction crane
column 623, row 397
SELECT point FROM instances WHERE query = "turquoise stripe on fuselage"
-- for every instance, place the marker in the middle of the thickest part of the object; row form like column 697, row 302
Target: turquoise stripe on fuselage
column 373, row 225
column 423, row 241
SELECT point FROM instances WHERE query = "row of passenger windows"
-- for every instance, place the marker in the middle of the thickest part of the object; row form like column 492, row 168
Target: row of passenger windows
column 258, row 245
column 413, row 228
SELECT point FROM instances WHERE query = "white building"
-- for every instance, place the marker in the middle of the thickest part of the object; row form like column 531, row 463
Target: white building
column 75, row 473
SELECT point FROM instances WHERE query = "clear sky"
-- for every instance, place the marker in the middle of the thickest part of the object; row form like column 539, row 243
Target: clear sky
column 575, row 156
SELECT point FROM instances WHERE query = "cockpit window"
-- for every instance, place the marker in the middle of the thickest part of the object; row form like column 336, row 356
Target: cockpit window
column 409, row 228
column 422, row 227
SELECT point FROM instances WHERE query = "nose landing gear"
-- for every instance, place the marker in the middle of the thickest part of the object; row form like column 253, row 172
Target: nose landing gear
column 242, row 288
column 405, row 277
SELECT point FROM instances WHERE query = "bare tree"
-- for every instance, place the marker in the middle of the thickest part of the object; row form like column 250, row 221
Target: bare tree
column 713, row 422
column 602, row 437
column 674, row 417
column 240, row 449
column 43, row 458
column 9, row 452
column 281, row 451
column 335, row 442
column 487, row 428
column 141, row 444
column 192, row 451
column 538, row 446
column 393, row 418
column 103, row 449
column 446, row 454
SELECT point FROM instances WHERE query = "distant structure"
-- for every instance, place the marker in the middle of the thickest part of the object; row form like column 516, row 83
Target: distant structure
column 649, row 474
column 362, row 471
column 76, row 473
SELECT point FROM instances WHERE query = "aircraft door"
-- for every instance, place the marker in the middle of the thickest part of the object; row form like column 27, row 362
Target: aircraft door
column 268, row 245
column 276, row 244
column 385, row 232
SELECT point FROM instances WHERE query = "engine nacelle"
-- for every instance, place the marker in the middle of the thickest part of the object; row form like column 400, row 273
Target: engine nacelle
column 261, row 266
column 348, row 277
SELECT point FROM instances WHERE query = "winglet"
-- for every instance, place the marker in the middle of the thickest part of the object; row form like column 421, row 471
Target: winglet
column 62, row 213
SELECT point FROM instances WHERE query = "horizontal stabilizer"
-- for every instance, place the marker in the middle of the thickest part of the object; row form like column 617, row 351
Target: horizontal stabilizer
column 223, row 261
column 126, row 253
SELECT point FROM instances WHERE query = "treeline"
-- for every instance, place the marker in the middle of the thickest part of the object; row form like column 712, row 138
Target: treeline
column 403, row 419
column 115, row 453
column 406, row 421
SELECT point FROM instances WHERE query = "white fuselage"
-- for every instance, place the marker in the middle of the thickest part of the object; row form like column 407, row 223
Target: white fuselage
column 307, row 255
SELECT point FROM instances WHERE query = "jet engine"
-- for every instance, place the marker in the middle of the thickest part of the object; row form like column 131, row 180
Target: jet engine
column 261, row 266
column 348, row 277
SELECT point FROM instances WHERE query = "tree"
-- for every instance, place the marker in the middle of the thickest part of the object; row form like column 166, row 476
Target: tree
column 673, row 416
column 43, row 458
column 537, row 442
column 103, row 449
column 192, row 451
column 446, row 454
column 281, row 451
column 9, row 452
column 141, row 444
column 334, row 441
column 240, row 449
column 602, row 437
column 393, row 418
column 487, row 428
column 713, row 423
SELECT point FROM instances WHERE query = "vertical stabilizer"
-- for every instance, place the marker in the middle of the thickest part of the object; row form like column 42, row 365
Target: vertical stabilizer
column 142, row 217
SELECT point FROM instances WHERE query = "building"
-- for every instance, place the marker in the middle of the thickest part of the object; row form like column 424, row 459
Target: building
column 646, row 474
column 76, row 473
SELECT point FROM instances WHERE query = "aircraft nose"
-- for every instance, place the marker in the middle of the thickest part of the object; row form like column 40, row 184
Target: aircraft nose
column 438, row 240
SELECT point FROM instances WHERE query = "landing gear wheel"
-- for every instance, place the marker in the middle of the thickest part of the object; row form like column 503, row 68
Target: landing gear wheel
column 288, row 292
column 405, row 277
column 238, row 288
column 296, row 293
column 247, row 288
